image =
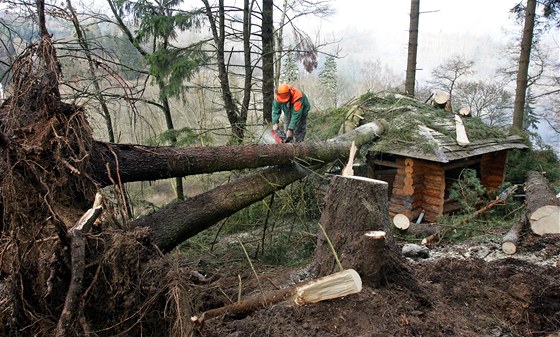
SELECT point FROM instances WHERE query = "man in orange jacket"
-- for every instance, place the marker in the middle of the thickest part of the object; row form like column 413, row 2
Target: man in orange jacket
column 295, row 106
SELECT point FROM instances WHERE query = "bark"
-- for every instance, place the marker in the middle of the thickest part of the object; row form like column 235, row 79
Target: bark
column 354, row 206
column 523, row 69
column 267, row 39
column 181, row 221
column 412, row 47
column 509, row 241
column 543, row 207
column 128, row 162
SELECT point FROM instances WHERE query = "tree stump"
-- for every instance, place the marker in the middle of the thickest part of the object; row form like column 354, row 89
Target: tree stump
column 355, row 215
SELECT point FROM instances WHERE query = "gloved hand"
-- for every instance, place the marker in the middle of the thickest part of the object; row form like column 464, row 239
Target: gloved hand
column 275, row 126
column 288, row 139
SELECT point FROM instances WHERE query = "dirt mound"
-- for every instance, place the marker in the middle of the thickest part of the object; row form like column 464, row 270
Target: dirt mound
column 461, row 297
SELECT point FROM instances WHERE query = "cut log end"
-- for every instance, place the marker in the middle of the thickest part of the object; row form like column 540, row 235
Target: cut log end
column 376, row 234
column 509, row 248
column 331, row 286
column 401, row 221
column 546, row 220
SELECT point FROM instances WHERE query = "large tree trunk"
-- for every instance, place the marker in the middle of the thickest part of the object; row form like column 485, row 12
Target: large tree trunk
column 523, row 70
column 354, row 207
column 412, row 48
column 128, row 162
column 543, row 207
column 183, row 220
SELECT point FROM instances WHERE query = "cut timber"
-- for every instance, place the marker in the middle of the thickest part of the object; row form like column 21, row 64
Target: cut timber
column 462, row 138
column 543, row 208
column 348, row 171
column 546, row 220
column 465, row 111
column 441, row 98
column 336, row 285
column 355, row 206
column 509, row 241
column 401, row 221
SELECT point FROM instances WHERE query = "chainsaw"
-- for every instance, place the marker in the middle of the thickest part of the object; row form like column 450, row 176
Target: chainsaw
column 279, row 136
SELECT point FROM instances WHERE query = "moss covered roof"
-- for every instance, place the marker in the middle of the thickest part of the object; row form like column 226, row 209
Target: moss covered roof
column 419, row 130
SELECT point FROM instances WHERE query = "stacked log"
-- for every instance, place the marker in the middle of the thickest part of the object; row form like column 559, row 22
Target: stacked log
column 406, row 196
column 492, row 170
column 434, row 191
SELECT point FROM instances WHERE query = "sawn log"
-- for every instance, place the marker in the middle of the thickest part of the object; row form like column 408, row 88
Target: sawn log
column 336, row 285
column 543, row 208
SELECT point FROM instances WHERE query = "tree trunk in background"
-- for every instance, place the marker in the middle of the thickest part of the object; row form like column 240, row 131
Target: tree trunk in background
column 218, row 34
column 268, row 59
column 279, row 52
column 169, row 122
column 523, row 70
column 82, row 40
column 412, row 47
column 247, row 9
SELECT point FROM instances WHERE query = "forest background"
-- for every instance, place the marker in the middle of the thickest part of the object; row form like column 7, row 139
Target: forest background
column 194, row 74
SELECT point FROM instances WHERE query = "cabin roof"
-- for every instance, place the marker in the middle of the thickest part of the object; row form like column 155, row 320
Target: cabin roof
column 419, row 130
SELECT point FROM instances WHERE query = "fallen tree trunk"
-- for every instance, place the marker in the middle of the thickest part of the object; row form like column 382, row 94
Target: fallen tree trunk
column 128, row 162
column 336, row 285
column 181, row 221
column 543, row 208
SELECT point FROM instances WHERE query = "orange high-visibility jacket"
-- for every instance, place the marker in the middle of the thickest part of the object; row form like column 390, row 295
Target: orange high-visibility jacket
column 296, row 107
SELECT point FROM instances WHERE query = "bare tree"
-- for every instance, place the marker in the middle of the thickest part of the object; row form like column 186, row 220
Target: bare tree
column 489, row 101
column 445, row 76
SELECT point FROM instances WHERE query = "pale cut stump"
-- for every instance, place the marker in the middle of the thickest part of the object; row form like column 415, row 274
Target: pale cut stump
column 356, row 209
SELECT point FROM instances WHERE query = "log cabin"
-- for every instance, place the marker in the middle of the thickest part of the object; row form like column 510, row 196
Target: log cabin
column 421, row 165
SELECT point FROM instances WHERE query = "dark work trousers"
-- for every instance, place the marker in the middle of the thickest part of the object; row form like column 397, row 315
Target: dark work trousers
column 300, row 130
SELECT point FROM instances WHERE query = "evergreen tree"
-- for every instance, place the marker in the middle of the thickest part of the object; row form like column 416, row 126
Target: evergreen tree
column 328, row 79
column 291, row 70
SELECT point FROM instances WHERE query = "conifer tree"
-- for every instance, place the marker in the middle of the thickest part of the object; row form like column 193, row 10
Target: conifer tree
column 328, row 79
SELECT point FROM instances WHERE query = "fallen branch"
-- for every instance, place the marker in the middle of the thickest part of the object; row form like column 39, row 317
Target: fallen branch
column 332, row 286
column 509, row 241
column 78, row 248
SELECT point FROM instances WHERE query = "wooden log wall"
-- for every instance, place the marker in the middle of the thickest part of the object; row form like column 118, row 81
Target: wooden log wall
column 492, row 169
column 433, row 195
column 406, row 196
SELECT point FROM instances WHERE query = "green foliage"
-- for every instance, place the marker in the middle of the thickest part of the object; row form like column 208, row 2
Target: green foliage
column 184, row 137
column 467, row 190
column 288, row 251
column 176, row 66
column 291, row 70
column 328, row 79
column 521, row 161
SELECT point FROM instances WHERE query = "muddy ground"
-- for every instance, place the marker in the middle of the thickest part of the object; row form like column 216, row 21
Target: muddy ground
column 467, row 289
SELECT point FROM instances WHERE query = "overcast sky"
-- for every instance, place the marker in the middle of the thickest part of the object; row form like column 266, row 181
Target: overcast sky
column 378, row 30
